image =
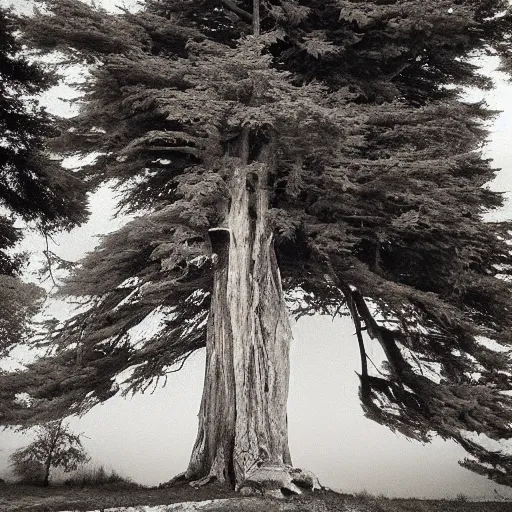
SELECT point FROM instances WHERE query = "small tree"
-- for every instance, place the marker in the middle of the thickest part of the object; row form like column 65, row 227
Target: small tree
column 54, row 446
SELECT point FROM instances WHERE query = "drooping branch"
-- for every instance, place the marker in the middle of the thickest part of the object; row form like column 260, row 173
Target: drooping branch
column 357, row 323
column 384, row 336
column 356, row 318
column 243, row 15
column 397, row 71
column 359, row 310
column 48, row 259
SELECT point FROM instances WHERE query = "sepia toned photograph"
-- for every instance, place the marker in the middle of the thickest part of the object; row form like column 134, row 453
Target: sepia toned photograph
column 255, row 255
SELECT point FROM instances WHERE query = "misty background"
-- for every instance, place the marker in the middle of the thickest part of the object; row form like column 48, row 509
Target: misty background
column 149, row 437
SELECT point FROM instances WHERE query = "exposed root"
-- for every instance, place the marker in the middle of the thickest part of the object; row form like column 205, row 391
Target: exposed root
column 278, row 481
column 178, row 479
column 305, row 479
column 203, row 481
column 187, row 477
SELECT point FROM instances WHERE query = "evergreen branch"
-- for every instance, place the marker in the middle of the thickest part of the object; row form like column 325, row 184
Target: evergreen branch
column 357, row 323
column 183, row 361
column 48, row 259
column 362, row 217
column 356, row 317
column 243, row 15
column 383, row 335
column 177, row 149
column 397, row 71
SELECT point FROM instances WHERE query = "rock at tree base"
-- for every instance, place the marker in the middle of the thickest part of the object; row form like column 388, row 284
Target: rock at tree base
column 279, row 481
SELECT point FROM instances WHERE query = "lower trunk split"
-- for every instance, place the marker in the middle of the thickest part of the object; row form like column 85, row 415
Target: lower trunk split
column 243, row 434
column 261, row 331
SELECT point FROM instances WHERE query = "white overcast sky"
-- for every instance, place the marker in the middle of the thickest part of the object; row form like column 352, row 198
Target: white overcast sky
column 149, row 437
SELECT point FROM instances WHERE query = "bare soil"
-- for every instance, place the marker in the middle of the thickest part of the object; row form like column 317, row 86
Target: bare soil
column 22, row 498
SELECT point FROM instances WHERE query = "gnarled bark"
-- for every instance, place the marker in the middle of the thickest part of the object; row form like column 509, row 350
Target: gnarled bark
column 261, row 328
column 213, row 449
column 242, row 421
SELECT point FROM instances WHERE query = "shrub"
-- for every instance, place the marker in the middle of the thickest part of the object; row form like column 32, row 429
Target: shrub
column 97, row 476
column 54, row 446
column 29, row 472
column 363, row 495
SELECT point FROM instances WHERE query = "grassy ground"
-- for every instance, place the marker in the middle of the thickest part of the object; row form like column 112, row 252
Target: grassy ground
column 21, row 498
column 26, row 498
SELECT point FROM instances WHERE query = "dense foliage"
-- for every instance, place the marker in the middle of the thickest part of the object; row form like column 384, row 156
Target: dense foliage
column 377, row 195
column 33, row 187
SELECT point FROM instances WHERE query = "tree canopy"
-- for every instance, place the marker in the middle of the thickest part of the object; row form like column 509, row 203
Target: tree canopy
column 377, row 196
column 33, row 186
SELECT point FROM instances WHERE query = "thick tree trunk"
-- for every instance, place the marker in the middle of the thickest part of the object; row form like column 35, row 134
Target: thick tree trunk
column 243, row 435
column 260, row 325
column 212, row 456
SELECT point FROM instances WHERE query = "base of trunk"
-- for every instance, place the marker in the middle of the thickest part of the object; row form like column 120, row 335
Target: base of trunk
column 277, row 481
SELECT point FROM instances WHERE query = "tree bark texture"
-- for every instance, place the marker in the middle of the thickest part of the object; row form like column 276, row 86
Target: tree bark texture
column 242, row 419
column 256, row 17
column 212, row 456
